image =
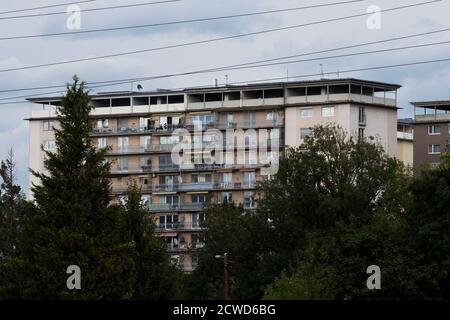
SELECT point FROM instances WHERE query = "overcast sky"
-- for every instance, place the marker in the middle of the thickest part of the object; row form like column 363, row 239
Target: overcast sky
column 423, row 82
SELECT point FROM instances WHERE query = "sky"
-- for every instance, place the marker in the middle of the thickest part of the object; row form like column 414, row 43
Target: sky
column 420, row 82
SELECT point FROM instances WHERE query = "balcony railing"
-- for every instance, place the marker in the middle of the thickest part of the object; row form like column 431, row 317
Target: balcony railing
column 191, row 127
column 183, row 246
column 136, row 130
column 405, row 135
column 247, row 124
column 178, row 226
column 190, row 167
column 162, row 207
column 205, row 186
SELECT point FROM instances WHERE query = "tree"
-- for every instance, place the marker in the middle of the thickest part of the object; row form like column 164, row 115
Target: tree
column 429, row 225
column 230, row 230
column 338, row 206
column 11, row 199
column 72, row 221
column 155, row 277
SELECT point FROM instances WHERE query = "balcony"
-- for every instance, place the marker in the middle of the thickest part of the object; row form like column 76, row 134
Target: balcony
column 196, row 186
column 130, row 130
column 164, row 207
column 405, row 136
column 248, row 124
column 175, row 247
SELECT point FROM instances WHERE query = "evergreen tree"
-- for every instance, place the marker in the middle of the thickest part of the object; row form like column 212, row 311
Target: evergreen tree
column 72, row 221
column 11, row 199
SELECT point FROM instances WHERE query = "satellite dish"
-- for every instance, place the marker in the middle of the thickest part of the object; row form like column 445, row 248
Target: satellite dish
column 140, row 87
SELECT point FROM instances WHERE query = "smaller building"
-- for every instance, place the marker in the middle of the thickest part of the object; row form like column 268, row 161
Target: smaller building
column 431, row 131
column 405, row 141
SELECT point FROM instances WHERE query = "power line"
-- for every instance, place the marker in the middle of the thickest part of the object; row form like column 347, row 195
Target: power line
column 125, row 81
column 257, row 62
column 89, row 10
column 282, row 78
column 210, row 40
column 45, row 7
column 177, row 22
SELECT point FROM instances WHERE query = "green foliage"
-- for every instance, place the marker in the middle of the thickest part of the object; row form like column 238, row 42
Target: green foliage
column 71, row 221
column 429, row 225
column 11, row 199
column 155, row 277
column 230, row 230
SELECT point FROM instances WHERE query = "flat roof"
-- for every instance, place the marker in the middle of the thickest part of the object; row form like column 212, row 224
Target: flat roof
column 438, row 104
column 234, row 87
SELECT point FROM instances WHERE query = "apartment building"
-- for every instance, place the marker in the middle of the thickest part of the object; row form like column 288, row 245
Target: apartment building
column 405, row 141
column 431, row 131
column 188, row 147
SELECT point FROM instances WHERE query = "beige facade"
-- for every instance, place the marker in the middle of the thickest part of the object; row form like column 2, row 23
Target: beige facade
column 405, row 141
column 260, row 120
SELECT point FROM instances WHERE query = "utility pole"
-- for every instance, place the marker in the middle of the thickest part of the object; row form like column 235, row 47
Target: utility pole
column 226, row 290
column 225, row 276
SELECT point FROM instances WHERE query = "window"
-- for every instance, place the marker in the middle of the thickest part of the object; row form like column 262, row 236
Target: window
column 226, row 197
column 306, row 112
column 201, row 178
column 434, row 149
column 361, row 134
column 169, row 140
column 226, row 119
column 328, row 112
column 272, row 116
column 202, row 120
column 102, row 143
column 122, row 164
column 145, row 141
column 145, row 123
column 226, row 179
column 198, row 219
column 122, row 124
column 145, row 162
column 249, row 179
column 250, row 157
column 49, row 145
column 48, row 125
column 433, row 130
column 172, row 200
column 250, row 139
column 122, row 143
column 199, row 198
column 165, row 161
column 250, row 118
column 143, row 181
column 362, row 115
column 168, row 222
column 167, row 183
column 169, row 122
column 103, row 123
column 249, row 201
column 305, row 132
